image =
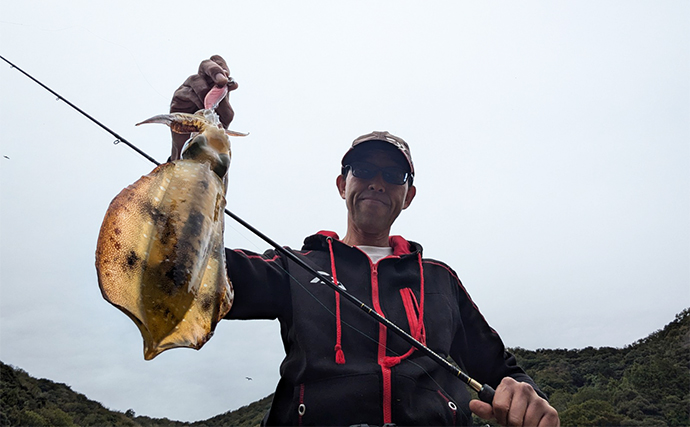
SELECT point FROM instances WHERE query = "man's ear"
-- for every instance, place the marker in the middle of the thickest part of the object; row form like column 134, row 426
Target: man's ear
column 409, row 196
column 340, row 182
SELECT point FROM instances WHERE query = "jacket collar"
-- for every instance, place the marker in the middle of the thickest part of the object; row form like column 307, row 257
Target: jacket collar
column 399, row 244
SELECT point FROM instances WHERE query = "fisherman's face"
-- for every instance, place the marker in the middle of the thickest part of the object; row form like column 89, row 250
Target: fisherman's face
column 373, row 204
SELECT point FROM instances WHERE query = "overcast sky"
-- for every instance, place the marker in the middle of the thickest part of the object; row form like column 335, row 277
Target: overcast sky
column 551, row 142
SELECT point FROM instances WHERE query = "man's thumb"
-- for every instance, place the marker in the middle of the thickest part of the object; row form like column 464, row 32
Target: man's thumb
column 481, row 409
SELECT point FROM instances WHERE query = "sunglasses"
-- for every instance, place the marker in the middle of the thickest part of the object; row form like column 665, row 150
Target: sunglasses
column 364, row 170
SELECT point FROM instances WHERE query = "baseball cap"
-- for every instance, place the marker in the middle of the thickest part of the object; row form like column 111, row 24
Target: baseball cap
column 384, row 137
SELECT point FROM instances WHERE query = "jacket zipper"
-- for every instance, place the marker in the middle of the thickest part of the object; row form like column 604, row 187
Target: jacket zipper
column 385, row 370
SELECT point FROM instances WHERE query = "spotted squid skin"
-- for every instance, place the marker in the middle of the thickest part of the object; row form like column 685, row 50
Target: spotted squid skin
column 160, row 256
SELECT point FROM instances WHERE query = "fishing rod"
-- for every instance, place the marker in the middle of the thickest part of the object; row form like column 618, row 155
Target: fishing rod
column 485, row 391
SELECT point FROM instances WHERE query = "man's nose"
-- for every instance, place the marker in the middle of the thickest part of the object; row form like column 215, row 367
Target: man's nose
column 376, row 183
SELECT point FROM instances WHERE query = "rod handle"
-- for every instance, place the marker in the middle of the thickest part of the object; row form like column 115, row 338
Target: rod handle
column 486, row 394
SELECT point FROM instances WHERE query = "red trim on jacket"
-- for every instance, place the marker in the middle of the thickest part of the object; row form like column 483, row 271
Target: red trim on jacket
column 452, row 273
column 252, row 256
column 331, row 234
column 414, row 310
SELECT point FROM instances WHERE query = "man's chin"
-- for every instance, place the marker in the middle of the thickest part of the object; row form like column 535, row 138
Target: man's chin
column 372, row 213
column 372, row 227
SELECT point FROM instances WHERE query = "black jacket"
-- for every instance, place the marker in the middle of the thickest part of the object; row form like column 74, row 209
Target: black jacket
column 341, row 366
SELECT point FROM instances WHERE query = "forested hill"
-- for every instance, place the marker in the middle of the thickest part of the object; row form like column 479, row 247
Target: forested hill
column 645, row 383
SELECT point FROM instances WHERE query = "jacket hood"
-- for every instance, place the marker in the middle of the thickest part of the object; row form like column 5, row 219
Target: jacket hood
column 318, row 242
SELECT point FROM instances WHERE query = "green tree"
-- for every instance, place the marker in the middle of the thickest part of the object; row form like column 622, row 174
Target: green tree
column 31, row 418
column 591, row 413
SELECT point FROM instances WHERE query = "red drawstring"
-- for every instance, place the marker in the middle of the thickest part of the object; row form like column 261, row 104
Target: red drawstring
column 418, row 332
column 339, row 354
column 421, row 332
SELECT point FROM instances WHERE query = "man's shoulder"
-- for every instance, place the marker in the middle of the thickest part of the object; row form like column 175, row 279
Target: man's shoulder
column 435, row 263
column 438, row 267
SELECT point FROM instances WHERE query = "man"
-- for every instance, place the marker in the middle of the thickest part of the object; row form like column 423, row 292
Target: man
column 341, row 367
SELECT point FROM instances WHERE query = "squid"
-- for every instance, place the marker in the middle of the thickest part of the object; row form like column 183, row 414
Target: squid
column 160, row 256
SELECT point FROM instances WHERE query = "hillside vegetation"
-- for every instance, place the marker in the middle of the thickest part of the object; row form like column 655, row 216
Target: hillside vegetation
column 645, row 383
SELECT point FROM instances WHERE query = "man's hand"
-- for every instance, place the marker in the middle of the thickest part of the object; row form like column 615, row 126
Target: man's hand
column 189, row 98
column 517, row 404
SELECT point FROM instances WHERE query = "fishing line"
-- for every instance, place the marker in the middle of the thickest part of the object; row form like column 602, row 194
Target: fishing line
column 85, row 114
column 485, row 392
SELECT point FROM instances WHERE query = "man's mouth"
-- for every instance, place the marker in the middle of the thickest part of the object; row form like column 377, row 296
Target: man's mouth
column 374, row 199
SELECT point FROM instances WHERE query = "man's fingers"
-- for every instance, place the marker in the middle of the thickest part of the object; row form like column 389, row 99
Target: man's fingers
column 517, row 404
column 518, row 407
column 550, row 419
column 220, row 61
column 186, row 98
column 189, row 97
column 540, row 413
column 481, row 409
column 216, row 69
column 502, row 401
